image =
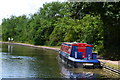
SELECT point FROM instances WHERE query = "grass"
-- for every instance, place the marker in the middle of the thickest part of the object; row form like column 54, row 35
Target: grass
column 58, row 47
column 55, row 46
column 112, row 65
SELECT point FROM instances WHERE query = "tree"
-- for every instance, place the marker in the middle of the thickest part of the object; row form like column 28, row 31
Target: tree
column 110, row 16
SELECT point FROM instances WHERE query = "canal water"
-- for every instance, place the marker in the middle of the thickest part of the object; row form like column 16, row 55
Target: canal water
column 28, row 62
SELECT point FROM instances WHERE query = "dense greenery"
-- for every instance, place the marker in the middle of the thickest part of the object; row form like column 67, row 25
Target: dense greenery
column 54, row 23
column 0, row 33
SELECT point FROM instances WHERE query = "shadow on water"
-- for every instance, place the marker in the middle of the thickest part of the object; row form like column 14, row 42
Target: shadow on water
column 69, row 72
column 28, row 62
column 83, row 73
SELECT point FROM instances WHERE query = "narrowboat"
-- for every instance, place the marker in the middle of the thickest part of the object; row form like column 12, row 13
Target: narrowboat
column 79, row 55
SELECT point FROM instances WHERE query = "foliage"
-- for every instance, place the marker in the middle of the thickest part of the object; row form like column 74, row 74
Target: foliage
column 110, row 16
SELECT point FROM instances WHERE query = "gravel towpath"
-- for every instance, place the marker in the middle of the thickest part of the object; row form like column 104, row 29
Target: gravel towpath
column 111, row 62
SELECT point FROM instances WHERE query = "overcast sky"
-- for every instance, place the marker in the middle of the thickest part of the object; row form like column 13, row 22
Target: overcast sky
column 20, row 7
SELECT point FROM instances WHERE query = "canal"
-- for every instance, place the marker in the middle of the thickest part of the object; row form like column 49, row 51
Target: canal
column 28, row 62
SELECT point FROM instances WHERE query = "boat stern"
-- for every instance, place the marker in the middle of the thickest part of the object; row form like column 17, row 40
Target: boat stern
column 88, row 64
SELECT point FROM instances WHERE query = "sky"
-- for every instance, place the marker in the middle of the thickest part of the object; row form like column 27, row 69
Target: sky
column 20, row 7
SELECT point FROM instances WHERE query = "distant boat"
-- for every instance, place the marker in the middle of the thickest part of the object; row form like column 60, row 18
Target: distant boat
column 79, row 55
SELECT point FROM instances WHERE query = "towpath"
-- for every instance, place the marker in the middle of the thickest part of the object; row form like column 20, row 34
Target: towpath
column 111, row 62
column 30, row 45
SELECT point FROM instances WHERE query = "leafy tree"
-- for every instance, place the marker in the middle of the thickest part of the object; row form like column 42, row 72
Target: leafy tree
column 110, row 16
column 8, row 27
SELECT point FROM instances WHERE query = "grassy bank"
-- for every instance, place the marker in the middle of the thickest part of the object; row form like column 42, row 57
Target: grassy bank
column 31, row 45
column 112, row 65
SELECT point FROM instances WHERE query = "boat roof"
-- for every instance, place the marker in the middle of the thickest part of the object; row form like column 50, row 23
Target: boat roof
column 78, row 44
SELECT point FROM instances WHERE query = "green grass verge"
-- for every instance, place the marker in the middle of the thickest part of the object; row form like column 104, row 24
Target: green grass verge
column 112, row 65
column 55, row 46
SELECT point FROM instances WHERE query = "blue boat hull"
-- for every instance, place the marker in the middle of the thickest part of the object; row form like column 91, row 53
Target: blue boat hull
column 93, row 63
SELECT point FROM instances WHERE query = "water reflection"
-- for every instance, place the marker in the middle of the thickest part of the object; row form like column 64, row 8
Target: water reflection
column 10, row 48
column 0, row 62
column 17, row 67
column 67, row 72
column 82, row 73
column 28, row 62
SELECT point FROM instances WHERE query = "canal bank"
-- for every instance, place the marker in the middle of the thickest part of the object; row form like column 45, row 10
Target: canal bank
column 114, row 65
column 30, row 45
column 111, row 65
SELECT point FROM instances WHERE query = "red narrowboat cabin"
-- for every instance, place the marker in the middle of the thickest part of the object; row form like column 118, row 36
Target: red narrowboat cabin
column 78, row 54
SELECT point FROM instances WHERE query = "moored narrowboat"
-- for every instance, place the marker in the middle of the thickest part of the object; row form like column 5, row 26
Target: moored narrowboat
column 79, row 55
